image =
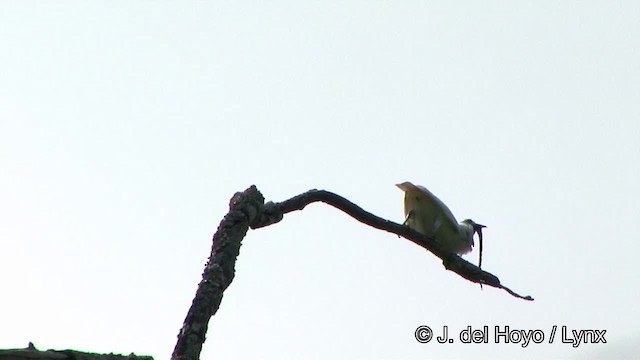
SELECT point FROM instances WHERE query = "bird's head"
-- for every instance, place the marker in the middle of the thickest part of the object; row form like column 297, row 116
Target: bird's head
column 476, row 227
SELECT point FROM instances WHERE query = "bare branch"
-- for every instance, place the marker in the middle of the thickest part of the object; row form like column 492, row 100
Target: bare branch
column 218, row 272
column 247, row 209
column 273, row 212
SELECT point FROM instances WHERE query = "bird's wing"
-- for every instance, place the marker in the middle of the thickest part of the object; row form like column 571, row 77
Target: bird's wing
column 437, row 203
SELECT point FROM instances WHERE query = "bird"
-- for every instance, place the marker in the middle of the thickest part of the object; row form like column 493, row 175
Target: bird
column 428, row 215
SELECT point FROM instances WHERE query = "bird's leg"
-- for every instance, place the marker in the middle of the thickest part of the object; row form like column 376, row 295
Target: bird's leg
column 406, row 218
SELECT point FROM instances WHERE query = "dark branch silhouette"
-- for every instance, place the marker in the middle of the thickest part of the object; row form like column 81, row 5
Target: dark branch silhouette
column 247, row 209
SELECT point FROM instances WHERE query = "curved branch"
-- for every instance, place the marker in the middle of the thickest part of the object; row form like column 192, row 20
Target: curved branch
column 247, row 209
column 273, row 213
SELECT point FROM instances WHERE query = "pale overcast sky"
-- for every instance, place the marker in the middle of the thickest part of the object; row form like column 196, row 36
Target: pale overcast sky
column 126, row 126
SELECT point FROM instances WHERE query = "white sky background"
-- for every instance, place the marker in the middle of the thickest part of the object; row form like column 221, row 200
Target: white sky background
column 125, row 127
